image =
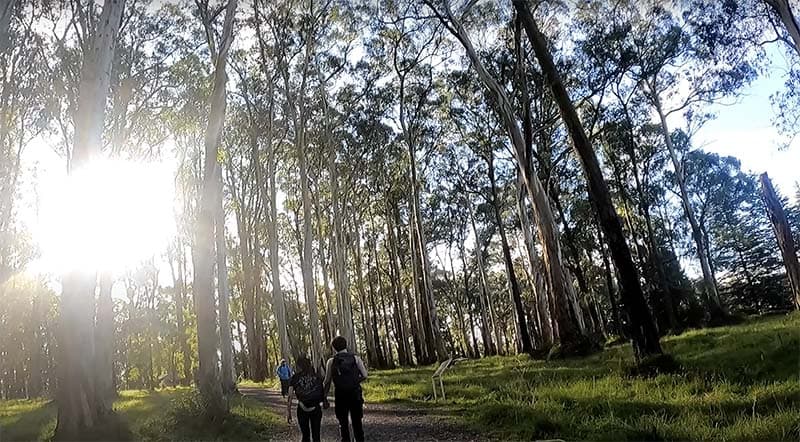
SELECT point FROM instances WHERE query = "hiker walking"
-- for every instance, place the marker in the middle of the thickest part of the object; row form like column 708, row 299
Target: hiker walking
column 284, row 372
column 306, row 384
column 346, row 371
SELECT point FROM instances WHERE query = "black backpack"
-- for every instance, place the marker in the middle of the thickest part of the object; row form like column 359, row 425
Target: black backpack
column 309, row 390
column 346, row 375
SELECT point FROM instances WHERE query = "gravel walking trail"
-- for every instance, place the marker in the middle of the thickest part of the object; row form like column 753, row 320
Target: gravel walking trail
column 382, row 422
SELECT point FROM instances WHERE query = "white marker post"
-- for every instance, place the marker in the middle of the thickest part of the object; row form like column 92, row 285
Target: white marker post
column 438, row 373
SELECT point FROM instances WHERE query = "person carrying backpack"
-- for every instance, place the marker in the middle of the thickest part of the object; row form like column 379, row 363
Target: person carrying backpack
column 346, row 371
column 306, row 384
column 284, row 372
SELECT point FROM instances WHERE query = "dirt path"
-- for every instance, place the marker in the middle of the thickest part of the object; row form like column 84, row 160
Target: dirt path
column 382, row 422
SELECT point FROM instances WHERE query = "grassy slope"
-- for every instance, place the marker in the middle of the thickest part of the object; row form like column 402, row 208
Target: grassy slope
column 740, row 383
column 170, row 414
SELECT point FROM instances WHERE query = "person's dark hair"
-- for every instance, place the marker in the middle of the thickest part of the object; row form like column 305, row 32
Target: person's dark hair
column 304, row 365
column 339, row 343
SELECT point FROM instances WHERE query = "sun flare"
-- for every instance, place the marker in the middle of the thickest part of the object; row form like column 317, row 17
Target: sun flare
column 109, row 215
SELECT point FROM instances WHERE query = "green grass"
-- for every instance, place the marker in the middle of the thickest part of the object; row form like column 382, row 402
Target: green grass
column 163, row 415
column 271, row 383
column 249, row 420
column 27, row 419
column 739, row 383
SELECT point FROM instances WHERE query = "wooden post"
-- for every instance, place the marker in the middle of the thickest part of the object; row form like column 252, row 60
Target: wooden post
column 783, row 233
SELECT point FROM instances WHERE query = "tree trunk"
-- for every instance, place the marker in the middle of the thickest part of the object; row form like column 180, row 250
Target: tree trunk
column 389, row 331
column 228, row 375
column 381, row 354
column 368, row 320
column 608, row 273
column 539, row 289
column 330, row 326
column 784, row 10
column 380, row 351
column 255, row 360
column 548, row 231
column 390, row 327
column 710, row 284
column 429, row 320
column 489, row 347
column 248, row 215
column 216, row 406
column 242, row 353
column 643, row 330
column 783, row 234
column 308, row 263
column 104, row 350
column 79, row 408
column 462, row 328
column 278, row 300
column 476, row 353
column 180, row 307
column 467, row 295
column 148, row 333
column 37, row 362
column 387, row 326
column 270, row 197
column 667, row 303
column 523, row 334
column 339, row 257
column 423, row 318
column 452, row 287
column 403, row 350
column 261, row 295
column 419, row 235
column 420, row 344
column 572, row 249
column 394, row 218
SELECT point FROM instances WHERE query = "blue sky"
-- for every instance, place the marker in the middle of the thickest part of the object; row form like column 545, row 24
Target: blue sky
column 745, row 130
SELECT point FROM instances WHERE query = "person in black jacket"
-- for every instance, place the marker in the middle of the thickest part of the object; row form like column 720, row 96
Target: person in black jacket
column 307, row 385
column 346, row 371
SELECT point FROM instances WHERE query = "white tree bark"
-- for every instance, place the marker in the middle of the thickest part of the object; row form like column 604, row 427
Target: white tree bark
column 78, row 407
column 784, row 10
column 783, row 235
column 216, row 406
column 547, row 228
column 339, row 256
column 278, row 300
column 308, row 263
column 540, row 292
column 490, row 347
column 404, row 350
column 104, row 342
column 228, row 375
column 709, row 282
column 323, row 263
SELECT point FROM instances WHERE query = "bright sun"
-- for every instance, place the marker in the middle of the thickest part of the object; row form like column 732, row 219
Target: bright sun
column 110, row 215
